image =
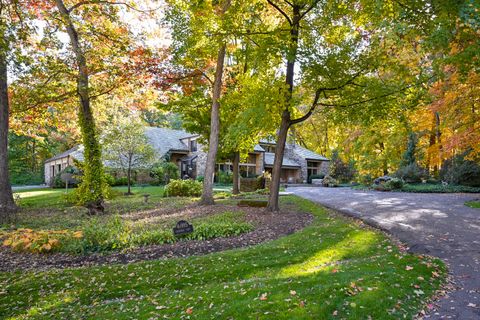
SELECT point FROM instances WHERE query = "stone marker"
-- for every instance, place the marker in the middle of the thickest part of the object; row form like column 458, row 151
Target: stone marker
column 183, row 227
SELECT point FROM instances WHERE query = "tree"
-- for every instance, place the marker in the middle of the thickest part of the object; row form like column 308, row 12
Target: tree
column 92, row 188
column 204, row 37
column 14, row 31
column 343, row 61
column 127, row 147
column 7, row 204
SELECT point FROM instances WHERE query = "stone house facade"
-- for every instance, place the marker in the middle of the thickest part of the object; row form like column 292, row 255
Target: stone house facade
column 184, row 149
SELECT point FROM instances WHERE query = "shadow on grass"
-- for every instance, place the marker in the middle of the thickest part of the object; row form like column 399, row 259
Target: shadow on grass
column 330, row 266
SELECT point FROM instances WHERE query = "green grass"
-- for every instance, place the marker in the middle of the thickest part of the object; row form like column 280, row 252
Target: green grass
column 56, row 198
column 434, row 188
column 331, row 267
column 428, row 188
column 473, row 204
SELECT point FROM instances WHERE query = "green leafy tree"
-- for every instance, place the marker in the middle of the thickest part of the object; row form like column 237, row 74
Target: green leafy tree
column 127, row 147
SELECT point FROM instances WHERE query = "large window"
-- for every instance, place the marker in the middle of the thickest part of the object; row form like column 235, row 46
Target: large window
column 248, row 170
column 313, row 168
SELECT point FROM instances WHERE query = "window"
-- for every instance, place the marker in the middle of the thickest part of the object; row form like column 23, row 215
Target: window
column 313, row 168
column 193, row 145
column 59, row 166
column 268, row 148
column 248, row 171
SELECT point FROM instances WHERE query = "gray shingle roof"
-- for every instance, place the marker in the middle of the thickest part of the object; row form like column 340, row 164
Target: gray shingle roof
column 287, row 162
column 164, row 140
column 257, row 148
column 307, row 154
column 75, row 152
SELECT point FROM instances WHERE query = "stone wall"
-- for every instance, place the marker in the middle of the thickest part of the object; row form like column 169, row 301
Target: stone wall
column 325, row 167
column 290, row 153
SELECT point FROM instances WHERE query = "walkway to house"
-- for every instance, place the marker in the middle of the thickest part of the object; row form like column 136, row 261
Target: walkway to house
column 436, row 224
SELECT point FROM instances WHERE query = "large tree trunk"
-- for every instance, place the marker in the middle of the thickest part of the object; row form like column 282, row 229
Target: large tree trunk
column 93, row 181
column 277, row 164
column 207, row 193
column 7, row 204
column 236, row 173
column 286, row 116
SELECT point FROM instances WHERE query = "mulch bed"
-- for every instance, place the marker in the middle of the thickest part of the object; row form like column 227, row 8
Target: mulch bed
column 268, row 227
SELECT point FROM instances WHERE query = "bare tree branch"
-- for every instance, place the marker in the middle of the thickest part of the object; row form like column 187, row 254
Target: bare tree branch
column 280, row 10
column 93, row 2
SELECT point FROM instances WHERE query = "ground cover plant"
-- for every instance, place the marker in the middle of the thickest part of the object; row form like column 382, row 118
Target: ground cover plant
column 129, row 222
column 334, row 268
column 433, row 188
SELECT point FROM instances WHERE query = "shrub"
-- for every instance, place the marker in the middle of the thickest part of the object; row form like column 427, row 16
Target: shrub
column 165, row 171
column 28, row 240
column 315, row 176
column 183, row 188
column 340, row 170
column 329, row 181
column 366, row 179
column 412, row 173
column 460, row 171
column 25, row 177
column 200, row 178
column 225, row 177
column 121, row 181
column 394, row 184
column 382, row 187
column 58, row 182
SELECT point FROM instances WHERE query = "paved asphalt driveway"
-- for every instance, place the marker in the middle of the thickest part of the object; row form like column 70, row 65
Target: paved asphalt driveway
column 436, row 224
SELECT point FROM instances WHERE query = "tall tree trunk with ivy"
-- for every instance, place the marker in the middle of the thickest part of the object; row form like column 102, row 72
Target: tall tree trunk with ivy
column 7, row 204
column 91, row 191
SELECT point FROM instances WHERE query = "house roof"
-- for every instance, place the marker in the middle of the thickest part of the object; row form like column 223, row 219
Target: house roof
column 258, row 148
column 163, row 140
column 307, row 154
column 75, row 152
column 287, row 162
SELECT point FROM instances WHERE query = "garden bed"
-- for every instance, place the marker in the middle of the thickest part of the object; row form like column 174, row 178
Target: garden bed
column 265, row 227
column 332, row 268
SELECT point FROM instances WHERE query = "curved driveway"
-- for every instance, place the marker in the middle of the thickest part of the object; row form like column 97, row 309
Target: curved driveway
column 436, row 224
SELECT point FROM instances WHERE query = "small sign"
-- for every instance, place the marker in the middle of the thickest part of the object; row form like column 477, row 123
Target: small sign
column 183, row 227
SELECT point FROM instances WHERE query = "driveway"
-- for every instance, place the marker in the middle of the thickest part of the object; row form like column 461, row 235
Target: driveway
column 436, row 224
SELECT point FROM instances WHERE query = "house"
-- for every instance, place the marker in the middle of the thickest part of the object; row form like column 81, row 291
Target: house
column 184, row 149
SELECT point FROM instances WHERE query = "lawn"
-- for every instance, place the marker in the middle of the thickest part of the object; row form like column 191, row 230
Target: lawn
column 56, row 198
column 473, row 204
column 334, row 268
column 129, row 222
